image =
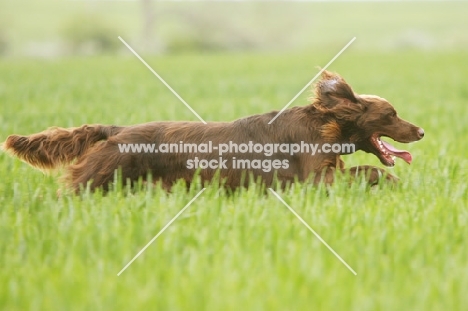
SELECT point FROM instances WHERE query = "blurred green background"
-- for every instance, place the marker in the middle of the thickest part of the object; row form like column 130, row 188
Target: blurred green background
column 58, row 28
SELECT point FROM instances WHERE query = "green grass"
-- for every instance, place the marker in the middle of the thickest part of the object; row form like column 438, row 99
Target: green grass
column 245, row 251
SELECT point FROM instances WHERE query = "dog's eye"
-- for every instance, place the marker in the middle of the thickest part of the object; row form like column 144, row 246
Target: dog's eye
column 392, row 114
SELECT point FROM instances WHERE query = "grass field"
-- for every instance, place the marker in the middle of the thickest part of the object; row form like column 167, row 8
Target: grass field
column 247, row 251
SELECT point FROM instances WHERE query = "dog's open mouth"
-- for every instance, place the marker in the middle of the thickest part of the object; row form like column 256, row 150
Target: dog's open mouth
column 387, row 153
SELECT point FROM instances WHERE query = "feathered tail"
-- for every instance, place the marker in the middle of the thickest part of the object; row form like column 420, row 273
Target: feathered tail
column 57, row 146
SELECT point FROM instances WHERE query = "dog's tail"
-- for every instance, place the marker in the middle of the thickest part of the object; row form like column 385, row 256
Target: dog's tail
column 57, row 146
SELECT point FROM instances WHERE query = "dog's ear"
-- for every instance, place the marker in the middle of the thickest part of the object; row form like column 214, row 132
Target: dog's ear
column 333, row 90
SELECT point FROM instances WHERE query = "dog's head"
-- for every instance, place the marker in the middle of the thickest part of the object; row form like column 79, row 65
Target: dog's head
column 363, row 120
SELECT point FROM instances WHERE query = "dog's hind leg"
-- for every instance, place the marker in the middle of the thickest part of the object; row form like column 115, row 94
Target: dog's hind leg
column 97, row 168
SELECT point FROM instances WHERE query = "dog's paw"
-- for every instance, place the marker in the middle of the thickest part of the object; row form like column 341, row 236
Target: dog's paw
column 378, row 175
column 391, row 178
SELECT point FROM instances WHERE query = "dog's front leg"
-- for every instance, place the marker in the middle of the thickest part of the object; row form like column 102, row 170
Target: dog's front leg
column 372, row 174
column 326, row 176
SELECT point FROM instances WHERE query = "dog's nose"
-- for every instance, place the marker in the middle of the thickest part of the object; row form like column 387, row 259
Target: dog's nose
column 420, row 132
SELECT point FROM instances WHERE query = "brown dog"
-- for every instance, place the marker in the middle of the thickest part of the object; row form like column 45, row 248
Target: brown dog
column 337, row 115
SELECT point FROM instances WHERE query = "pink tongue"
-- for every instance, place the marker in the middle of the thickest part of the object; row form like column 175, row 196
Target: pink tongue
column 402, row 154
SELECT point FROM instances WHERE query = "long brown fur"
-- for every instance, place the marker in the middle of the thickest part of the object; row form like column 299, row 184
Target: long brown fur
column 91, row 155
column 57, row 146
